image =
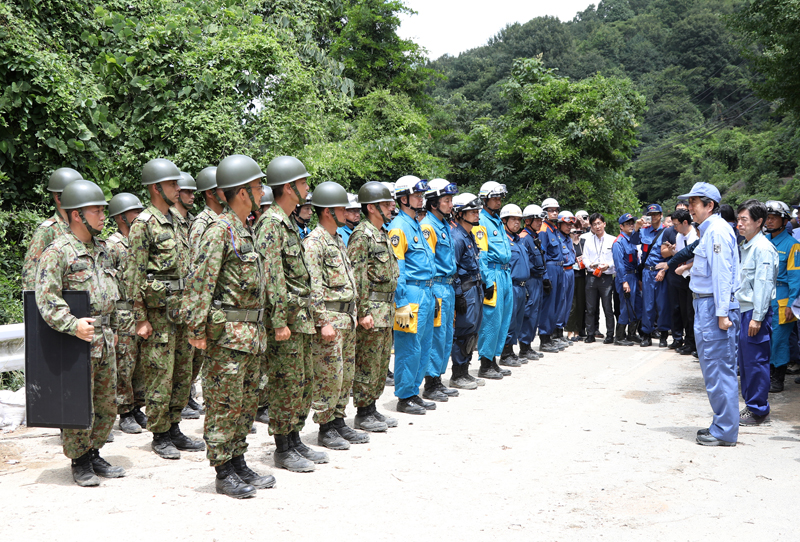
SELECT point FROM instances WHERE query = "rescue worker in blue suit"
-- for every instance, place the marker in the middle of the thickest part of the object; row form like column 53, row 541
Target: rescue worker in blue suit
column 468, row 287
column 436, row 231
column 715, row 278
column 566, row 221
column 511, row 215
column 553, row 284
column 352, row 218
column 529, row 237
column 496, row 274
column 657, row 315
column 626, row 260
column 413, row 329
column 787, row 288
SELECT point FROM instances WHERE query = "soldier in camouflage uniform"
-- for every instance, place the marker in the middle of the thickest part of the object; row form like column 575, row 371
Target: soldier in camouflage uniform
column 375, row 269
column 79, row 261
column 50, row 228
column 334, row 313
column 224, row 306
column 155, row 276
column 288, row 292
column 124, row 208
column 262, row 414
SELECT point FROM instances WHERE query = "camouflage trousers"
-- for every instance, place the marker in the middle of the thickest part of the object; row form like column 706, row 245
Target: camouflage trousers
column 130, row 376
column 263, row 391
column 291, row 375
column 373, row 354
column 166, row 358
column 77, row 442
column 334, row 366
column 230, row 394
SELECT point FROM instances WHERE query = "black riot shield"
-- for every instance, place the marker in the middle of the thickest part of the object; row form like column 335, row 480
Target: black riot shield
column 58, row 373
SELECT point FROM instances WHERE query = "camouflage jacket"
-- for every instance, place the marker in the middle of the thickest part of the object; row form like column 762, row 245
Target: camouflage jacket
column 332, row 279
column 69, row 264
column 228, row 269
column 199, row 225
column 42, row 237
column 156, row 248
column 288, row 281
column 376, row 270
column 184, row 226
column 119, row 250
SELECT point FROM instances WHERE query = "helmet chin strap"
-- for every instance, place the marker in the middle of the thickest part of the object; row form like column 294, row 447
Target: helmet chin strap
column 253, row 205
column 163, row 195
column 93, row 232
column 300, row 199
column 352, row 224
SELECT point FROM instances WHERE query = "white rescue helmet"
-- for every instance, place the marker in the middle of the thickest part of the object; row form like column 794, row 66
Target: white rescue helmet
column 390, row 186
column 492, row 189
column 441, row 187
column 510, row 210
column 352, row 202
column 409, row 184
column 566, row 216
column 779, row 208
column 533, row 211
column 550, row 202
column 466, row 202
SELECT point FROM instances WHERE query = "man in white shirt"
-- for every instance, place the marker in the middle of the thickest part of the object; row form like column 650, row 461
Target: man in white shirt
column 686, row 235
column 599, row 261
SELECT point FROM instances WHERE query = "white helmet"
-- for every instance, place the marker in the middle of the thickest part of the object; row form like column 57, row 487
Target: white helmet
column 390, row 186
column 533, row 211
column 582, row 214
column 779, row 208
column 550, row 202
column 409, row 184
column 493, row 189
column 510, row 210
column 441, row 187
column 352, row 202
column 566, row 216
column 466, row 202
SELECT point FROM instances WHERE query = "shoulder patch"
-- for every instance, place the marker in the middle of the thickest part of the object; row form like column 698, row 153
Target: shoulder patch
column 395, row 240
column 479, row 234
column 144, row 216
column 717, row 248
column 47, row 223
column 426, row 233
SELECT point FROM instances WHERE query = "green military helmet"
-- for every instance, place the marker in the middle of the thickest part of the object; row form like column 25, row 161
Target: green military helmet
column 123, row 202
column 82, row 193
column 61, row 178
column 329, row 194
column 236, row 170
column 285, row 169
column 159, row 170
column 207, row 179
column 186, row 182
column 267, row 198
column 374, row 192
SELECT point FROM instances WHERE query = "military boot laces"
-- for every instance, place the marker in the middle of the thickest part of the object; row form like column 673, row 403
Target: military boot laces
column 309, row 453
column 330, row 438
column 488, row 371
column 249, row 476
column 163, row 446
column 366, row 421
column 83, row 472
column 349, row 434
column 388, row 420
column 288, row 458
column 228, row 483
column 128, row 424
column 444, row 389
column 140, row 417
column 184, row 443
column 103, row 468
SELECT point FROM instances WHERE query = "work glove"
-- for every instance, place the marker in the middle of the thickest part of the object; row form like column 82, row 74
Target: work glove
column 403, row 316
column 489, row 292
column 547, row 286
column 461, row 304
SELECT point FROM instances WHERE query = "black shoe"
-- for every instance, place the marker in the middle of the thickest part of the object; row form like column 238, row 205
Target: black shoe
column 444, row 389
column 163, row 446
column 348, row 433
column 103, row 468
column 184, row 443
column 776, row 379
column 189, row 413
column 228, row 483
column 367, row 421
column 194, row 405
column 675, row 344
column 416, row 399
column 430, row 391
column 609, row 339
column 460, row 377
column 83, row 471
column 793, row 368
column 388, row 420
column 578, row 338
column 488, row 371
column 330, row 438
column 707, row 439
column 646, row 340
column 504, row 372
column 140, row 417
column 262, row 415
column 318, row 458
column 590, row 339
column 748, row 419
column 287, row 457
column 662, row 341
column 248, row 476
column 127, row 424
column 619, row 337
column 508, row 358
column 389, row 378
column 525, row 351
column 546, row 345
column 599, row 335
column 408, row 406
column 633, row 335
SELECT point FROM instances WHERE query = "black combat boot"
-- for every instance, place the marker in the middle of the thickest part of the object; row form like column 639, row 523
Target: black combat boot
column 546, row 345
column 459, row 379
column 619, row 337
column 421, row 402
column 408, row 406
column 249, row 476
column 287, row 457
column 444, row 389
column 366, row 421
column 646, row 340
column 348, row 433
column 675, row 344
column 83, row 471
column 633, row 335
column 228, row 483
column 103, row 468
column 525, row 351
column 188, row 413
column 311, row 454
column 262, row 415
column 388, row 420
column 488, row 371
column 508, row 358
column 163, row 446
column 194, row 405
column 330, row 438
column 662, row 341
column 128, row 424
column 184, row 443
column 140, row 417
column 610, row 336
column 496, row 367
column 430, row 391
column 776, row 379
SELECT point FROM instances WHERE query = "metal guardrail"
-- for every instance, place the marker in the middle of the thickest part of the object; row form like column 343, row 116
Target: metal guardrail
column 12, row 347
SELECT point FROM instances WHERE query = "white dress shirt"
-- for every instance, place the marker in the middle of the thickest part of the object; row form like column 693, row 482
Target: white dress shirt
column 598, row 250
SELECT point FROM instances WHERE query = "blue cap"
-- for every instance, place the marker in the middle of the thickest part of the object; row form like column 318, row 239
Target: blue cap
column 654, row 208
column 624, row 218
column 703, row 190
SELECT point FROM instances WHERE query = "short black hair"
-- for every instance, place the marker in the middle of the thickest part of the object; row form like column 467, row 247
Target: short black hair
column 230, row 193
column 595, row 216
column 705, row 201
column 726, row 211
column 756, row 210
column 681, row 215
column 277, row 191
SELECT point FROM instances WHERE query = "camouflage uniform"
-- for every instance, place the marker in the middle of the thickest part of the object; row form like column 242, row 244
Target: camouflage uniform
column 185, row 352
column 333, row 290
column 130, row 377
column 263, row 398
column 199, row 225
column 156, row 248
column 290, row 367
column 69, row 264
column 376, row 270
column 45, row 234
column 228, row 269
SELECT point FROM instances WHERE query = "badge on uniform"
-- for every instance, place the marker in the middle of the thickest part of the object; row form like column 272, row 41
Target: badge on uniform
column 717, row 249
column 444, row 236
column 479, row 235
column 416, row 239
column 395, row 240
column 494, row 232
column 425, row 233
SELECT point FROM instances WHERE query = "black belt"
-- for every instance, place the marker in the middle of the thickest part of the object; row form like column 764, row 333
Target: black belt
column 519, row 283
column 420, row 283
column 443, row 280
column 466, row 286
column 337, row 306
column 650, row 267
column 174, row 285
column 124, row 305
column 382, row 297
column 698, row 296
column 101, row 321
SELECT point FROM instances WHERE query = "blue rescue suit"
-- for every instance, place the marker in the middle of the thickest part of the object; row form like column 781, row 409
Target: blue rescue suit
column 344, row 232
column 568, row 252
column 787, row 288
column 414, row 286
column 468, row 284
column 520, row 275
column 495, row 269
column 437, row 233
column 554, row 258
column 626, row 260
column 657, row 314
column 530, row 240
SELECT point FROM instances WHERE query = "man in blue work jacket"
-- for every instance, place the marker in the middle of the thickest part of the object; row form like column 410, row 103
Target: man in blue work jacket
column 715, row 278
column 413, row 330
column 566, row 221
column 511, row 215
column 436, row 231
column 496, row 274
column 352, row 218
column 554, row 275
column 626, row 260
column 787, row 288
column 657, row 315
column 529, row 237
column 468, row 287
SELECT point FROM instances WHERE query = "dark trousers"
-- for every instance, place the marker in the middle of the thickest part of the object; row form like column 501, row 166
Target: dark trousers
column 599, row 288
column 754, row 364
column 684, row 295
column 673, row 287
column 575, row 323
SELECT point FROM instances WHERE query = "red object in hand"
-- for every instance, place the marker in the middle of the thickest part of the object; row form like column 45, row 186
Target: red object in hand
column 597, row 272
